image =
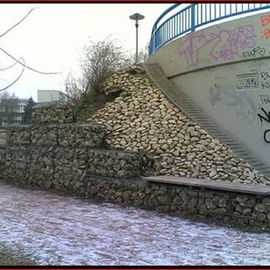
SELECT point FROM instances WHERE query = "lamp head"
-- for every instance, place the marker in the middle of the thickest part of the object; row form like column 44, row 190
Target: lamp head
column 136, row 17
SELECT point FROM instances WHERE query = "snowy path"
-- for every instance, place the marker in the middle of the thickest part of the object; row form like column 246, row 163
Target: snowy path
column 67, row 231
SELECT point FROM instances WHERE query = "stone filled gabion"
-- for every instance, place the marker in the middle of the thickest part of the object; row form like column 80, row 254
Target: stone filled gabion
column 113, row 163
column 143, row 119
column 3, row 136
column 81, row 135
column 42, row 160
column 19, row 135
column 71, row 165
column 90, row 135
column 2, row 157
column 53, row 113
column 44, row 135
column 17, row 163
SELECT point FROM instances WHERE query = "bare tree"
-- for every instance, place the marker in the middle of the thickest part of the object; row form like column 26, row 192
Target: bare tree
column 100, row 60
column 20, row 60
column 74, row 88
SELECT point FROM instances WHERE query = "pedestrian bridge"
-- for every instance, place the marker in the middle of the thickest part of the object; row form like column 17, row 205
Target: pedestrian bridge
column 216, row 67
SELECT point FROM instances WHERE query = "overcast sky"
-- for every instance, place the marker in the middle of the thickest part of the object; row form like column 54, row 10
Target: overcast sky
column 52, row 37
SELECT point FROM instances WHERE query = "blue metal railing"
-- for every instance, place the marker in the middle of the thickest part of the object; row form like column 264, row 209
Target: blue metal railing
column 193, row 16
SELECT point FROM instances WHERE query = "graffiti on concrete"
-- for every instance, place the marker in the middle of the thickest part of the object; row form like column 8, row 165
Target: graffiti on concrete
column 219, row 44
column 254, row 80
column 265, row 99
column 265, row 136
column 248, row 81
column 265, row 116
column 243, row 106
column 255, row 52
column 192, row 47
column 265, row 79
column 265, row 21
column 265, row 75
column 266, row 33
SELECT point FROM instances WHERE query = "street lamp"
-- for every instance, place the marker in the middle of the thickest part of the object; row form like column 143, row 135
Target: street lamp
column 136, row 17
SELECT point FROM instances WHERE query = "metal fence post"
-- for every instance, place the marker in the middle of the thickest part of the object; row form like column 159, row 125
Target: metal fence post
column 193, row 17
column 154, row 40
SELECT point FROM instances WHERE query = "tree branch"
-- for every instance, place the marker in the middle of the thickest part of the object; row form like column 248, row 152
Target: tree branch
column 20, row 75
column 26, row 66
column 19, row 22
column 5, row 68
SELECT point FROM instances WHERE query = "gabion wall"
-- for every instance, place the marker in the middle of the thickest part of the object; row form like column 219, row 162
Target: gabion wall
column 45, row 154
column 56, row 153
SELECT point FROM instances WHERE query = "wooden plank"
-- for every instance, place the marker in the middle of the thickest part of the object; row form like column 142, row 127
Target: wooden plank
column 211, row 184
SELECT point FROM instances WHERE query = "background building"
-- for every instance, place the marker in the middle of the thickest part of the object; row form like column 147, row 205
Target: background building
column 12, row 110
column 50, row 96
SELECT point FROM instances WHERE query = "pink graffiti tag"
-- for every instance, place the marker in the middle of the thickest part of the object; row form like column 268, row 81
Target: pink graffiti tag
column 240, row 38
column 220, row 44
column 191, row 47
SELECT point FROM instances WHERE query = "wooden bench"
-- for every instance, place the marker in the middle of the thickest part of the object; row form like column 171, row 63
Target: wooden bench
column 211, row 184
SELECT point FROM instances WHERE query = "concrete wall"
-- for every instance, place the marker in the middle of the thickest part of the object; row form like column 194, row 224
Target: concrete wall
column 225, row 69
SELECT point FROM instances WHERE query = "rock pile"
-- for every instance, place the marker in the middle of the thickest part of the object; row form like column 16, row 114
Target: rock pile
column 143, row 119
column 123, row 80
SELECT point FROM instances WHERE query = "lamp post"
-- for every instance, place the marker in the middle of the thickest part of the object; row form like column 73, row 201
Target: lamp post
column 136, row 17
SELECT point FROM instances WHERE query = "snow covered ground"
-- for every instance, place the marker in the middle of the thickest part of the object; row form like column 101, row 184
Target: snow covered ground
column 59, row 230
